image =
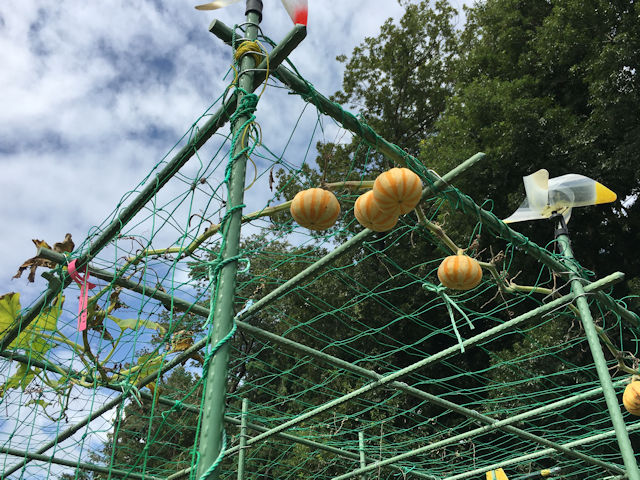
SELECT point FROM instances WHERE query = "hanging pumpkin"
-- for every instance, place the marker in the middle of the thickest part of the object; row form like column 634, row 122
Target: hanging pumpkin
column 397, row 190
column 631, row 398
column 370, row 216
column 315, row 209
column 460, row 272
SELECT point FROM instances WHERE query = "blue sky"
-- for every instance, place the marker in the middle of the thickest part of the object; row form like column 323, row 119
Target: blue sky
column 94, row 94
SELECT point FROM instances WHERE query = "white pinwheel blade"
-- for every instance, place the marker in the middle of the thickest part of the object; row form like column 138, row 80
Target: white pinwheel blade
column 524, row 213
column 575, row 190
column 297, row 10
column 537, row 187
column 216, row 4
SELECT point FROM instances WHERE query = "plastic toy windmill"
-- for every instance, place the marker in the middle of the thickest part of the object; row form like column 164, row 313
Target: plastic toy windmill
column 500, row 475
column 546, row 197
column 497, row 475
column 297, row 9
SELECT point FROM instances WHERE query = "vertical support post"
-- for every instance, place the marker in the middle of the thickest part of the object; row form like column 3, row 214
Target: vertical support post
column 626, row 450
column 243, row 438
column 212, row 426
column 363, row 459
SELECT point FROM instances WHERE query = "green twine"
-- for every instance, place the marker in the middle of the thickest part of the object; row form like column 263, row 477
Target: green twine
column 214, row 269
column 218, row 460
column 126, row 387
column 441, row 291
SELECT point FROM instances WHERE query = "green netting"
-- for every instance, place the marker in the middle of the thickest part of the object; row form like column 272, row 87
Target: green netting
column 355, row 364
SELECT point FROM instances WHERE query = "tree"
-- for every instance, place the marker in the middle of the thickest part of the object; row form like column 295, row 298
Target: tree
column 554, row 86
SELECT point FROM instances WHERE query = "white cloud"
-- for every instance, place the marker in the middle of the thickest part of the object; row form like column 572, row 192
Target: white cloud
column 94, row 94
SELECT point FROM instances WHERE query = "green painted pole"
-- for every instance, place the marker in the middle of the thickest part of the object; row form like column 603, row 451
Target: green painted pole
column 210, row 446
column 543, row 453
column 487, row 428
column 243, row 438
column 115, row 473
column 363, row 458
column 305, row 350
column 613, row 405
column 392, row 380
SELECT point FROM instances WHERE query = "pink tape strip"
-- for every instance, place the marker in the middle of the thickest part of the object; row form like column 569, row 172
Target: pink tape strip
column 85, row 285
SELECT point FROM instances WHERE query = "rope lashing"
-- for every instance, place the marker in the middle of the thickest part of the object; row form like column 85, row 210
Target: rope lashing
column 249, row 48
column 218, row 460
column 440, row 290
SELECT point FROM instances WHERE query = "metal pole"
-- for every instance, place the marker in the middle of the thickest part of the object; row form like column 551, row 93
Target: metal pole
column 484, row 429
column 305, row 350
column 543, row 453
column 363, row 459
column 626, row 450
column 243, row 438
column 344, row 453
column 210, row 446
column 69, row 463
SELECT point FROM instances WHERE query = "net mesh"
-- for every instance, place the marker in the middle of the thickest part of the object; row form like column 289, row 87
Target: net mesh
column 356, row 364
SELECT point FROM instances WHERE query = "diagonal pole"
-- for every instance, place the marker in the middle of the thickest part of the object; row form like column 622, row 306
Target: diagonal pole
column 626, row 450
column 202, row 134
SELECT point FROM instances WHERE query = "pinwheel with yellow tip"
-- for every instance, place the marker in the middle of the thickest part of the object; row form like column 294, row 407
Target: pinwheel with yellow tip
column 497, row 475
column 548, row 196
column 297, row 9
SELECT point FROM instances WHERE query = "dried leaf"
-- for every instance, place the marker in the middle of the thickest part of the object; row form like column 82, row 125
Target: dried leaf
column 181, row 341
column 33, row 263
column 65, row 246
column 153, row 388
column 40, row 243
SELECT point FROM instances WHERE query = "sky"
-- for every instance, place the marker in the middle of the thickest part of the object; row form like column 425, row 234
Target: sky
column 94, row 94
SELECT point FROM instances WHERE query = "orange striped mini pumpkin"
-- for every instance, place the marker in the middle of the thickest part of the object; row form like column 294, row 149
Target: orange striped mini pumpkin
column 631, row 398
column 315, row 209
column 397, row 190
column 460, row 272
column 370, row 216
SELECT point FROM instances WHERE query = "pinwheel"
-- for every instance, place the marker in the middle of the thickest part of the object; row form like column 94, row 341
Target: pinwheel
column 548, row 196
column 297, row 9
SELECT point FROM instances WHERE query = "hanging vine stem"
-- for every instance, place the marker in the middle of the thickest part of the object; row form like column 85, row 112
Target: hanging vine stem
column 265, row 212
column 617, row 354
column 501, row 281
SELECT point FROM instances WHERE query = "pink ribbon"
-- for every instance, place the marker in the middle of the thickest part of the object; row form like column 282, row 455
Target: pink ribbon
column 85, row 285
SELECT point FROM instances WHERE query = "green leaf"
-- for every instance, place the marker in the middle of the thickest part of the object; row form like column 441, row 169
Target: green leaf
column 48, row 318
column 9, row 310
column 150, row 364
column 23, row 377
column 136, row 323
column 42, row 403
column 30, row 339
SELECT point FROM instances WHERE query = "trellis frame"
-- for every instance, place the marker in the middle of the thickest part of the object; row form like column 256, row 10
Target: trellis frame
column 210, row 447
